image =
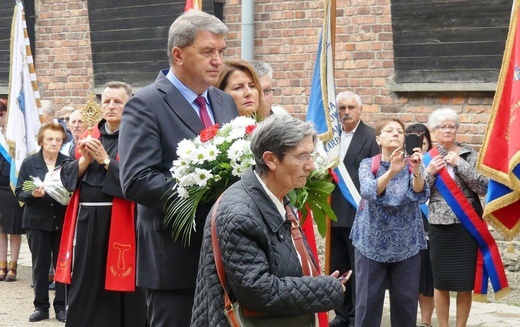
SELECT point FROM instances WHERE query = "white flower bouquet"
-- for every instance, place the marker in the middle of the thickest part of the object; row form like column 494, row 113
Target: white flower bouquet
column 208, row 164
column 213, row 161
column 51, row 184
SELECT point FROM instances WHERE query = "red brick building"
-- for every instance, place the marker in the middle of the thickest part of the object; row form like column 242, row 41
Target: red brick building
column 80, row 44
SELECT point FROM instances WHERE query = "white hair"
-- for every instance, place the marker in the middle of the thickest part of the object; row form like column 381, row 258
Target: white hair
column 442, row 114
column 348, row 95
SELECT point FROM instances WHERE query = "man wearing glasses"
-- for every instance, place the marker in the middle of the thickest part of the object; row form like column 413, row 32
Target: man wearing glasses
column 265, row 74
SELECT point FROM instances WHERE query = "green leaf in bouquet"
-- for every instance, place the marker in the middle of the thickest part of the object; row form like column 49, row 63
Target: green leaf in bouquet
column 319, row 218
column 180, row 213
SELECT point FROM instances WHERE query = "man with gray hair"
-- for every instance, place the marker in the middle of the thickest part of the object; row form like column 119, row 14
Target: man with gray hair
column 49, row 115
column 178, row 105
column 49, row 111
column 357, row 142
column 265, row 74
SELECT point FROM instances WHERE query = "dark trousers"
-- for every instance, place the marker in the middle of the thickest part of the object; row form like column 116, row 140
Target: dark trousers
column 342, row 259
column 45, row 245
column 169, row 307
column 402, row 279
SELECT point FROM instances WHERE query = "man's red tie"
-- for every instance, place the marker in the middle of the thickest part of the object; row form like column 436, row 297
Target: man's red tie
column 204, row 116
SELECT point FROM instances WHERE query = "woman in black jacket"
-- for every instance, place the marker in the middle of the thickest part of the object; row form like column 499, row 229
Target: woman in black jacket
column 264, row 270
column 43, row 219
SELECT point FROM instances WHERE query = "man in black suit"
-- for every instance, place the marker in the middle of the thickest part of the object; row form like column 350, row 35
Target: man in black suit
column 357, row 142
column 154, row 121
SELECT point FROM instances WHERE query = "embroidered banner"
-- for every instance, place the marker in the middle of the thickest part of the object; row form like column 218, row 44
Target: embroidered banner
column 499, row 157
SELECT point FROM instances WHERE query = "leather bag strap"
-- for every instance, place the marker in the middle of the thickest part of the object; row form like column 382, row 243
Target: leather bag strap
column 228, row 306
column 308, row 267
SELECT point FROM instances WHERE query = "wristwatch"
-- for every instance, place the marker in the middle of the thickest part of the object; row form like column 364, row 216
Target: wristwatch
column 416, row 175
column 106, row 162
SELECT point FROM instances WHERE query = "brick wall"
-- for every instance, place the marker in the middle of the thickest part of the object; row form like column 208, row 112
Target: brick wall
column 286, row 35
column 63, row 56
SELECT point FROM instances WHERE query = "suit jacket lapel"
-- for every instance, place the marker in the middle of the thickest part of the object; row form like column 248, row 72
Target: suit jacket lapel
column 358, row 140
column 178, row 104
column 216, row 106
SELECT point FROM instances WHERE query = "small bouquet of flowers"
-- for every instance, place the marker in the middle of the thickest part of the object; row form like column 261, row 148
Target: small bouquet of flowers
column 52, row 186
column 208, row 164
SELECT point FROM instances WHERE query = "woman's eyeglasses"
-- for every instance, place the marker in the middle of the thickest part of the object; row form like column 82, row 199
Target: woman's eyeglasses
column 445, row 128
column 302, row 158
column 269, row 91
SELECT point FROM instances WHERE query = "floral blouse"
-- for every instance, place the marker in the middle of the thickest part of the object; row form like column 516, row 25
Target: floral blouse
column 389, row 227
column 467, row 178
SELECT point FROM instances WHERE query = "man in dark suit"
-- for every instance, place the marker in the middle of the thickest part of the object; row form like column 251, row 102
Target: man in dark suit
column 357, row 142
column 154, row 121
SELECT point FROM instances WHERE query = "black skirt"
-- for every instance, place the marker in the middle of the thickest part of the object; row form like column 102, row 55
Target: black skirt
column 10, row 212
column 453, row 253
column 426, row 278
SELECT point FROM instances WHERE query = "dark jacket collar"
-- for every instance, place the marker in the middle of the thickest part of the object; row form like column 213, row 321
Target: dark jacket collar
column 265, row 205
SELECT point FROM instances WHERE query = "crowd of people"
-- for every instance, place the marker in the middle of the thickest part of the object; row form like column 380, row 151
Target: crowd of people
column 113, row 256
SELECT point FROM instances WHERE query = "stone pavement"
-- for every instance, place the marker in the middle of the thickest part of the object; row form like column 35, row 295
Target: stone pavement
column 482, row 314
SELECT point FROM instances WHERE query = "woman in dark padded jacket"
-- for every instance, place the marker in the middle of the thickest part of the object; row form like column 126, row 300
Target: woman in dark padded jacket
column 263, row 269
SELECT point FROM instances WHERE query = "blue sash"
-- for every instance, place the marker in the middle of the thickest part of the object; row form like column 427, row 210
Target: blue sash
column 489, row 262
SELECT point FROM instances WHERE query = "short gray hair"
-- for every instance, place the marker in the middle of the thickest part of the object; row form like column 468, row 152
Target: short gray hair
column 442, row 114
column 184, row 29
column 347, row 95
column 262, row 68
column 65, row 110
column 48, row 107
column 119, row 85
column 279, row 134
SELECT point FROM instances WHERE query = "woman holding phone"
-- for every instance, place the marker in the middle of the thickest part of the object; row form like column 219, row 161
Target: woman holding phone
column 388, row 231
column 426, row 304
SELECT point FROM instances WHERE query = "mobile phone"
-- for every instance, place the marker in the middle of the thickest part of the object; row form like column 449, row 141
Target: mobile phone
column 412, row 141
column 345, row 277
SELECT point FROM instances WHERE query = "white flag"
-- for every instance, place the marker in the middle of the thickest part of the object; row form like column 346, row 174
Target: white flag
column 24, row 106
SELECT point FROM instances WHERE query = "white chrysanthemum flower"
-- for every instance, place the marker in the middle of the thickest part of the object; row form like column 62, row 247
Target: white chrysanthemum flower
column 241, row 122
column 183, row 193
column 238, row 170
column 187, row 180
column 225, row 130
column 179, row 163
column 202, row 176
column 219, row 140
column 184, row 148
column 180, row 172
column 239, row 149
column 248, row 161
column 236, row 133
column 210, row 152
column 198, row 155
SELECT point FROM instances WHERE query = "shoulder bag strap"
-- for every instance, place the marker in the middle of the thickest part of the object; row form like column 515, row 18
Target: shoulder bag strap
column 228, row 306
column 308, row 267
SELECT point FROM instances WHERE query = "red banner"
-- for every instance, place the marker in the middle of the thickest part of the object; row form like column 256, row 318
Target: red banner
column 500, row 154
column 193, row 4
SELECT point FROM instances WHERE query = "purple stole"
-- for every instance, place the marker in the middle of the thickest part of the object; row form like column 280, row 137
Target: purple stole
column 489, row 262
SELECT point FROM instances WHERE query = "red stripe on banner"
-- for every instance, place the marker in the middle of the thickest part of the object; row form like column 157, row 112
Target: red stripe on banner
column 308, row 230
column 508, row 216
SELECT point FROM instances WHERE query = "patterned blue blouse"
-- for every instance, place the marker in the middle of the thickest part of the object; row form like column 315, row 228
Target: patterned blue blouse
column 389, row 227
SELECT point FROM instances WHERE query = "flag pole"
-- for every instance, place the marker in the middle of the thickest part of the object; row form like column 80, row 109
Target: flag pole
column 333, row 46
